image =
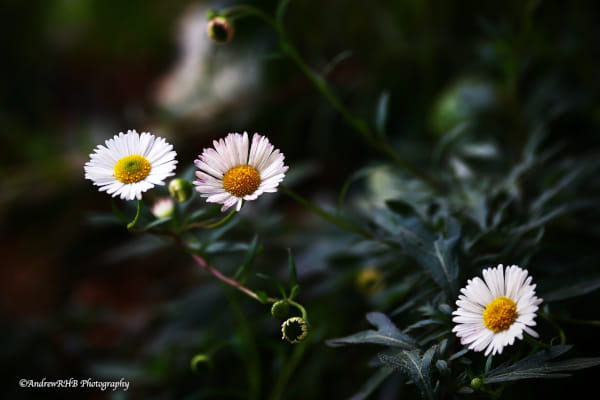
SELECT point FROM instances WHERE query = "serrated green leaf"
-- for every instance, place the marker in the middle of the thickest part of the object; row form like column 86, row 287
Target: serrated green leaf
column 386, row 334
column 539, row 366
column 416, row 367
column 437, row 255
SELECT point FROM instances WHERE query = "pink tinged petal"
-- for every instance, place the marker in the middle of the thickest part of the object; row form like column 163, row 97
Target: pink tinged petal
column 212, row 158
column 238, row 205
column 216, row 173
column 218, row 197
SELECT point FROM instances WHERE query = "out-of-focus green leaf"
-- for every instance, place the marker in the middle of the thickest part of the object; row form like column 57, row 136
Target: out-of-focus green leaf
column 253, row 250
column 158, row 222
column 292, row 269
column 372, row 383
column 570, row 289
column 381, row 113
column 538, row 366
column 275, row 282
column 386, row 334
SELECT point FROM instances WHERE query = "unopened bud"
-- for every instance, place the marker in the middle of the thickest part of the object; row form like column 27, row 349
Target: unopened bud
column 280, row 309
column 180, row 189
column 476, row 383
column 294, row 330
column 220, row 29
column 163, row 207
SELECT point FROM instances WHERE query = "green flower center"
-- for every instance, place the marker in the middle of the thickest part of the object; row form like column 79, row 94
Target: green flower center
column 131, row 169
column 500, row 314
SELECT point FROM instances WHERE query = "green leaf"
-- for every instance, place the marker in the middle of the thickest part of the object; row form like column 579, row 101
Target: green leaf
column 251, row 253
column 386, row 334
column 157, row 222
column 381, row 113
column 294, row 291
column 438, row 256
column 275, row 281
column 539, row 366
column 372, row 383
column 416, row 367
column 579, row 286
column 292, row 268
column 118, row 212
column 262, row 295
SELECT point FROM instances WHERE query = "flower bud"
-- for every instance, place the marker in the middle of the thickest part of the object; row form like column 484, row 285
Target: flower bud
column 180, row 189
column 163, row 208
column 220, row 29
column 476, row 383
column 280, row 309
column 294, row 330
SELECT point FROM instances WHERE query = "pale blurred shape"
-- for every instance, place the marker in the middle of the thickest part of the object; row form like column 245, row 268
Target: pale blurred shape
column 208, row 76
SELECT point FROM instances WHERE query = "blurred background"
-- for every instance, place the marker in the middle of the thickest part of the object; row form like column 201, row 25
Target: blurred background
column 81, row 297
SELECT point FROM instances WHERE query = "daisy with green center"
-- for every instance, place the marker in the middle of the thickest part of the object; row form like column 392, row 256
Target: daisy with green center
column 130, row 164
column 235, row 170
column 494, row 311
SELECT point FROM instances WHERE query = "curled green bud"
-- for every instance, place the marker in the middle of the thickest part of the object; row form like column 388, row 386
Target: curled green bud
column 180, row 189
column 476, row 383
column 280, row 309
column 220, row 29
column 294, row 330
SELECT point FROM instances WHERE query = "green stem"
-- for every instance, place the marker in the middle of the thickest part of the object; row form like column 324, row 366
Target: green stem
column 220, row 222
column 288, row 369
column 217, row 274
column 137, row 216
column 299, row 307
column 324, row 214
column 248, row 350
column 358, row 124
column 561, row 333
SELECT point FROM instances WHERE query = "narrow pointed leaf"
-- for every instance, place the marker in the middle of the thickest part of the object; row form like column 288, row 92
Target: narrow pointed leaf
column 386, row 334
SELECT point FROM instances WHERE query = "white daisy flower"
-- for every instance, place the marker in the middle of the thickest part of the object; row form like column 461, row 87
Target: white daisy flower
column 130, row 164
column 493, row 313
column 235, row 171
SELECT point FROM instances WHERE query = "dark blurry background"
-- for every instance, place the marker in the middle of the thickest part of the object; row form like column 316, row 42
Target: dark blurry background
column 81, row 297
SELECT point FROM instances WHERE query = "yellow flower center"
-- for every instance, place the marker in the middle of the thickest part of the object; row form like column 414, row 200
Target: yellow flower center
column 500, row 314
column 241, row 181
column 131, row 169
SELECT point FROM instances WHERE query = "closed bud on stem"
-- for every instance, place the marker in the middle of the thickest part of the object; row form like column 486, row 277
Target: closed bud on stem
column 476, row 383
column 280, row 309
column 180, row 189
column 294, row 330
column 220, row 29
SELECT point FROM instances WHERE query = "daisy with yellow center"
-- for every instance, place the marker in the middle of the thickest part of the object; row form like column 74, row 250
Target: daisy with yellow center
column 494, row 311
column 130, row 164
column 235, row 170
